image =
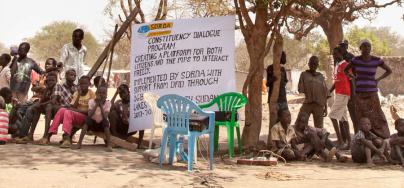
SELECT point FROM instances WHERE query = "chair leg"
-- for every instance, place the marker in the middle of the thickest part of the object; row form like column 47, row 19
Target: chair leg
column 211, row 148
column 163, row 147
column 196, row 151
column 191, row 147
column 230, row 140
column 216, row 138
column 239, row 144
column 151, row 137
column 173, row 146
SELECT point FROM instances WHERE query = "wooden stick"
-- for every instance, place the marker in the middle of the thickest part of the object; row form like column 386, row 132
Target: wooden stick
column 112, row 54
column 119, row 34
column 117, row 141
column 145, row 142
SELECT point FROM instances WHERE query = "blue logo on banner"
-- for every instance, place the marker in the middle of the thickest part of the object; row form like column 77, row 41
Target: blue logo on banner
column 143, row 29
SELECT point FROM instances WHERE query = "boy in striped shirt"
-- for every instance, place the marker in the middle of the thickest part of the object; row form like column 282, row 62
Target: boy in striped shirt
column 4, row 136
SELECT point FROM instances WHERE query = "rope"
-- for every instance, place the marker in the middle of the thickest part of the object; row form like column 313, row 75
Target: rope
column 272, row 154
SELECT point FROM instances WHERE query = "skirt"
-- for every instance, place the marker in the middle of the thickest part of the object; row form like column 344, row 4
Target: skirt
column 368, row 105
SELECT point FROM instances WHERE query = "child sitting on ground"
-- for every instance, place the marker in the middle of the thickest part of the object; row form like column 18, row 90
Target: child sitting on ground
column 34, row 111
column 315, row 140
column 75, row 115
column 39, row 86
column 365, row 144
column 4, row 136
column 97, row 119
column 284, row 137
column 119, row 116
column 397, row 143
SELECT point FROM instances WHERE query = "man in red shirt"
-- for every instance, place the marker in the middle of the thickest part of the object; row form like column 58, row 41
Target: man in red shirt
column 339, row 109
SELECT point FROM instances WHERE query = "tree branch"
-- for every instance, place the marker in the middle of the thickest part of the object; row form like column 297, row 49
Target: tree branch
column 240, row 19
column 165, row 10
column 159, row 10
column 372, row 4
column 123, row 7
column 141, row 14
column 244, row 12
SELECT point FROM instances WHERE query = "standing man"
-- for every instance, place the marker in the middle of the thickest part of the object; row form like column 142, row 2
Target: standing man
column 339, row 110
column 282, row 100
column 312, row 84
column 21, row 69
column 5, row 73
column 74, row 54
column 347, row 56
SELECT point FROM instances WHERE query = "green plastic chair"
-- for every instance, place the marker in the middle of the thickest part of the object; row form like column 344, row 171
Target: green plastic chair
column 228, row 102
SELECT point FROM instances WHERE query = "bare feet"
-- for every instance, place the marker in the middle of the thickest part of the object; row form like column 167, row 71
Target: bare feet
column 43, row 141
column 66, row 144
column 343, row 159
column 75, row 147
column 23, row 140
column 370, row 164
column 109, row 149
column 331, row 154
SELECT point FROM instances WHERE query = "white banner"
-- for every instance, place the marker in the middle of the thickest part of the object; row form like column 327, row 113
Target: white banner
column 192, row 57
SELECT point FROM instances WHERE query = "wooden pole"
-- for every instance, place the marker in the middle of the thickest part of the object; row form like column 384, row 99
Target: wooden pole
column 111, row 56
column 115, row 39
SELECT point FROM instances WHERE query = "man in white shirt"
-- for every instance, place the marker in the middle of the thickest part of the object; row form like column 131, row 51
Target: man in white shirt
column 5, row 74
column 73, row 54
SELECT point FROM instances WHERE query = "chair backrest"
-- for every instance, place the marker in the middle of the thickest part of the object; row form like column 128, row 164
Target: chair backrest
column 230, row 101
column 178, row 110
column 151, row 100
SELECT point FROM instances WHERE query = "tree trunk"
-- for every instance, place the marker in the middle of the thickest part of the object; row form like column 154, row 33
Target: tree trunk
column 253, row 111
column 335, row 34
column 273, row 106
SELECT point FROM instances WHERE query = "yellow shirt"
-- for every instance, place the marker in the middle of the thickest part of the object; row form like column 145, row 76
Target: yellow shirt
column 83, row 100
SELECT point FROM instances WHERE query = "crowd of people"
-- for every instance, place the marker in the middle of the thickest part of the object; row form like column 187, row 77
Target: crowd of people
column 355, row 85
column 62, row 94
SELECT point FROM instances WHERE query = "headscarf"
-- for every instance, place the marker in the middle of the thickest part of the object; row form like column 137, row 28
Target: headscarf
column 364, row 41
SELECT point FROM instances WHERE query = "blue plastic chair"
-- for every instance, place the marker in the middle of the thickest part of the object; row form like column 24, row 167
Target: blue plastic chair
column 178, row 110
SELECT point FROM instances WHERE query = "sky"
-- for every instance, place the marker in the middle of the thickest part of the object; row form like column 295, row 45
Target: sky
column 21, row 19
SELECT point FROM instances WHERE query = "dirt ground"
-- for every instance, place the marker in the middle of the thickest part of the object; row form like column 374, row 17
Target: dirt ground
column 49, row 166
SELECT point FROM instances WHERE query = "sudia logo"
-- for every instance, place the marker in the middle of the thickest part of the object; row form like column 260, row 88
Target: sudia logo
column 156, row 29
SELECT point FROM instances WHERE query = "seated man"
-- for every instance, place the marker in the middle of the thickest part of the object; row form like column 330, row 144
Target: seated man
column 99, row 80
column 119, row 115
column 62, row 97
column 34, row 111
column 75, row 114
column 397, row 142
column 316, row 140
column 39, row 86
column 97, row 119
column 365, row 144
column 284, row 137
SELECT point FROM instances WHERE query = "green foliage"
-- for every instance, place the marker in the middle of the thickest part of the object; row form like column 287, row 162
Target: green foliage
column 322, row 51
column 49, row 41
column 383, row 40
column 298, row 52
